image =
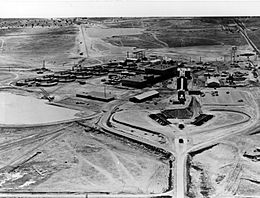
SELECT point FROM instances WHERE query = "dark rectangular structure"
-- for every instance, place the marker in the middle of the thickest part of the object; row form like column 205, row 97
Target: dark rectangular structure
column 141, row 81
column 195, row 92
column 164, row 70
column 182, row 83
column 136, row 81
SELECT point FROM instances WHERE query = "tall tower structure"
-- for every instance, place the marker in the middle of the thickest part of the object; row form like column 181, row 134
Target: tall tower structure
column 182, row 84
column 233, row 54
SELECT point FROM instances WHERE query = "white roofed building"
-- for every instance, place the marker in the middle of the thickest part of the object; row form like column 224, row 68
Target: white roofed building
column 212, row 82
column 144, row 96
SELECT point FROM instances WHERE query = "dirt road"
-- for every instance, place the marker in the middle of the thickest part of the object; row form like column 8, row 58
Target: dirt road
column 2, row 44
column 84, row 36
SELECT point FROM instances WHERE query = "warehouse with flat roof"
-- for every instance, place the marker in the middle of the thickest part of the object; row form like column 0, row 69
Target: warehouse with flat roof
column 95, row 95
column 165, row 70
column 141, row 81
column 144, row 96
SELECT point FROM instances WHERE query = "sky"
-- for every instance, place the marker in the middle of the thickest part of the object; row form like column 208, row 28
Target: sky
column 126, row 8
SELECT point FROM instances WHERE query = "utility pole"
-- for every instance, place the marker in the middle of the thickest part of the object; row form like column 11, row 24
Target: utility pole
column 105, row 91
column 233, row 54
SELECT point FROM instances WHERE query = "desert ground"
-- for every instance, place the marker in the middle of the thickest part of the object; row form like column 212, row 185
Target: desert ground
column 56, row 143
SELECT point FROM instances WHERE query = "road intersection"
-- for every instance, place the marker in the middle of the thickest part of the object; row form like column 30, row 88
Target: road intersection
column 183, row 144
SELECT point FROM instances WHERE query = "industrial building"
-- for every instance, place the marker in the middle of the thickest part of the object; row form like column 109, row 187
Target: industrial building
column 137, row 81
column 164, row 70
column 195, row 92
column 94, row 95
column 144, row 96
column 155, row 62
column 201, row 119
column 140, row 53
column 184, row 72
column 140, row 81
column 181, row 96
column 212, row 82
column 182, row 83
column 181, row 113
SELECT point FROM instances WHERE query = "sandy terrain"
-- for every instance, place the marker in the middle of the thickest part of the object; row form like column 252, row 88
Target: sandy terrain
column 28, row 47
column 210, row 170
column 80, row 161
column 225, row 97
column 224, row 170
column 72, row 158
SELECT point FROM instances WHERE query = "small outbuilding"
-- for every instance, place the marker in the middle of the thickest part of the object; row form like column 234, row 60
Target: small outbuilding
column 212, row 82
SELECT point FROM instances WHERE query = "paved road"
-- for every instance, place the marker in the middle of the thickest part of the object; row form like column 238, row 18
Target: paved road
column 181, row 154
column 182, row 149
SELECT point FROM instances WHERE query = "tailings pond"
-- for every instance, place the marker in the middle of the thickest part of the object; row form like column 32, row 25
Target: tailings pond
column 26, row 110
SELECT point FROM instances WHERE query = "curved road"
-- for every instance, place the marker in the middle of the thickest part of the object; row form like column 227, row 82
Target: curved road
column 181, row 152
column 181, row 149
column 182, row 156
